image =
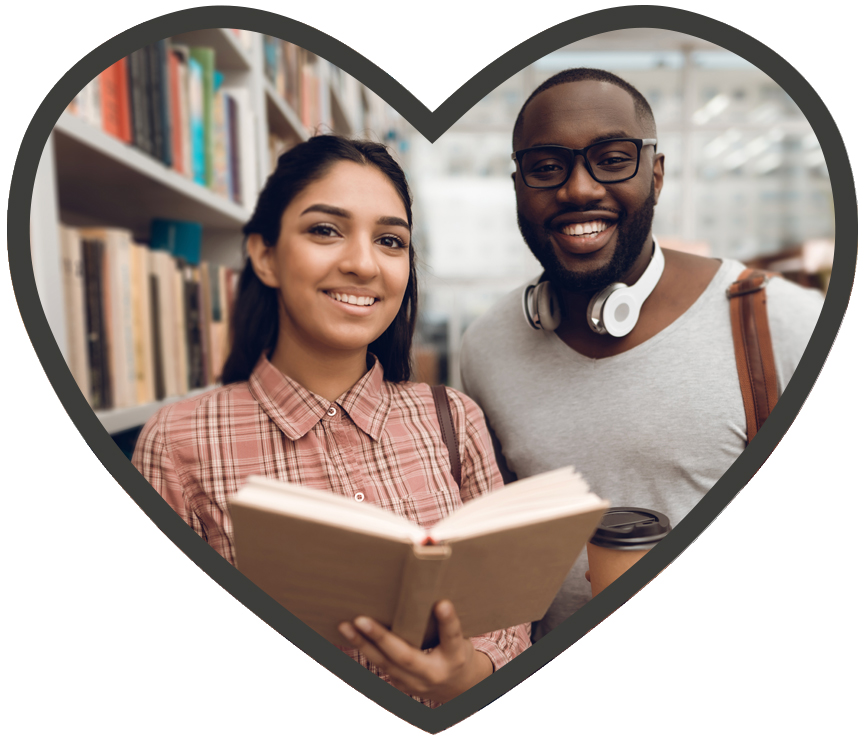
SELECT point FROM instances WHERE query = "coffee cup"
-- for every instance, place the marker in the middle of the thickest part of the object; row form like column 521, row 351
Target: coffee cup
column 623, row 537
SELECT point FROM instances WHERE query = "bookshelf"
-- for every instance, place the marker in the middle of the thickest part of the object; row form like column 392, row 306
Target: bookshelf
column 89, row 178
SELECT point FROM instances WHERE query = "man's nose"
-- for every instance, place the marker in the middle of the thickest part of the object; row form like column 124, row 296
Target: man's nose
column 580, row 187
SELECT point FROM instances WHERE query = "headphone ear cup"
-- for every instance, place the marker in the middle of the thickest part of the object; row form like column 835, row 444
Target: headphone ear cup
column 548, row 306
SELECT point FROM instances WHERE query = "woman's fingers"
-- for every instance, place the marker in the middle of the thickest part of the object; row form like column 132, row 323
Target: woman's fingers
column 451, row 639
column 390, row 653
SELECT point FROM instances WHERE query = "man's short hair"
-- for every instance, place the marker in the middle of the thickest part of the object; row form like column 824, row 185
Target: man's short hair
column 578, row 74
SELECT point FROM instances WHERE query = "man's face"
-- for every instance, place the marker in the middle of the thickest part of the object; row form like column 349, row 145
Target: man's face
column 586, row 234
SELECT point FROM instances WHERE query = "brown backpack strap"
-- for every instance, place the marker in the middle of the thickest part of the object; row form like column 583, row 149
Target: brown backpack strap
column 449, row 434
column 753, row 348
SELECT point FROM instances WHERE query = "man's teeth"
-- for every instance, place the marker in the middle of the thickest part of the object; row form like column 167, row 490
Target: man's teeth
column 349, row 299
column 587, row 227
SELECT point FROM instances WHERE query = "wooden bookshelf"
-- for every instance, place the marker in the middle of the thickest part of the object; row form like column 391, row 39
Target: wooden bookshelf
column 89, row 178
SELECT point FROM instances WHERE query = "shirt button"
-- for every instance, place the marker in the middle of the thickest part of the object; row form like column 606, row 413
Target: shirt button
column 359, row 497
column 332, row 411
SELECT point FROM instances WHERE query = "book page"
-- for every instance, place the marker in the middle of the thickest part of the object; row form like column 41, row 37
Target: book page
column 543, row 497
column 325, row 507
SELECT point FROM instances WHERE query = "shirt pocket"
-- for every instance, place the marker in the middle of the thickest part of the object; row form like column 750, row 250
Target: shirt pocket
column 430, row 507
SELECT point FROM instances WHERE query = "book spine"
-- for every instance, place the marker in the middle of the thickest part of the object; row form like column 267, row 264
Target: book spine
column 154, row 102
column 156, row 326
column 196, row 121
column 164, row 103
column 92, row 249
column 423, row 571
column 139, row 100
column 206, row 58
column 233, row 140
column 174, row 82
column 75, row 291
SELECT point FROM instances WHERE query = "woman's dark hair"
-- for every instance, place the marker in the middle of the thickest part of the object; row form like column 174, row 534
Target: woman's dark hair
column 255, row 321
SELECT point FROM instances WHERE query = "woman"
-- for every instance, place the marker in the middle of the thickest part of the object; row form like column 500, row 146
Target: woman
column 316, row 390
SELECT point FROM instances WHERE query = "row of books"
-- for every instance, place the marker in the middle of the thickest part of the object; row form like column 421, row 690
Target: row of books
column 169, row 101
column 301, row 79
column 142, row 324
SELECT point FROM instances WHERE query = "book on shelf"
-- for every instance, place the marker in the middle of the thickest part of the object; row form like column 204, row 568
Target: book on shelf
column 140, row 321
column 75, row 309
column 165, row 100
column 501, row 558
column 206, row 59
column 114, row 101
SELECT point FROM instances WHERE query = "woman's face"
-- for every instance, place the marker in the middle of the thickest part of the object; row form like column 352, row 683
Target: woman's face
column 341, row 264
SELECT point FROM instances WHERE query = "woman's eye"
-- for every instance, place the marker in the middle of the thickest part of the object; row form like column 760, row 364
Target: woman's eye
column 393, row 241
column 323, row 230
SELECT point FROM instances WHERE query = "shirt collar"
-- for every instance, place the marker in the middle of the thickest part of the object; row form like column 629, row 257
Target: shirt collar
column 296, row 410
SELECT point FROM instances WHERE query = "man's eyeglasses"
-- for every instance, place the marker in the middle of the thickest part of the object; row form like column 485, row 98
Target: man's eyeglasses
column 609, row 161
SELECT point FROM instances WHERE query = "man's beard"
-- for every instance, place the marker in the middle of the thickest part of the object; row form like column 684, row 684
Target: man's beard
column 631, row 237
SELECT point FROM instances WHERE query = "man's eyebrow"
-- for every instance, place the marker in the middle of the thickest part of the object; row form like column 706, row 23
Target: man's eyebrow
column 342, row 213
column 595, row 140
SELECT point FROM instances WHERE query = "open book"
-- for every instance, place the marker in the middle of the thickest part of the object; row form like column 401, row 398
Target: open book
column 500, row 559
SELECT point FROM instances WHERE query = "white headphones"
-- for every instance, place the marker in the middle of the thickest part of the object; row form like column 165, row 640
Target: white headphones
column 613, row 310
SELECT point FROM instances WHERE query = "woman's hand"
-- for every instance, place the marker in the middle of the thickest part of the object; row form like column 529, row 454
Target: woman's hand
column 441, row 674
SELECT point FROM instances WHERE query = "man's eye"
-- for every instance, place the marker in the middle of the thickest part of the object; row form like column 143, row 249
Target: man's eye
column 546, row 166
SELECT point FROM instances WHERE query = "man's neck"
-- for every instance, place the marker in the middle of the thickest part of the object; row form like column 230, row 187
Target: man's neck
column 684, row 279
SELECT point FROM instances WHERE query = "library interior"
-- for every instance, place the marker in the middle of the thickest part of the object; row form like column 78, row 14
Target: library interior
column 149, row 175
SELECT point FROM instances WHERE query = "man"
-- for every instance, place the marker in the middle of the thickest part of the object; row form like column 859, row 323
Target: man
column 651, row 418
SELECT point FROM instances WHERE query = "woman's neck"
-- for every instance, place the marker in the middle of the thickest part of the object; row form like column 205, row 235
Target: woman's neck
column 328, row 374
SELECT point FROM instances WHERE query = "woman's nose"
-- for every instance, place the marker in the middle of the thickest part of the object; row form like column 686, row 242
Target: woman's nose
column 359, row 257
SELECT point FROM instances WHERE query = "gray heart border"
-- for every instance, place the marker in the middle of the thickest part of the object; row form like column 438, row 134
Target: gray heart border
column 432, row 124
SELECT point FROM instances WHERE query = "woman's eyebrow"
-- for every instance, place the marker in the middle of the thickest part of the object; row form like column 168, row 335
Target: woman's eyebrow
column 393, row 221
column 324, row 208
column 342, row 213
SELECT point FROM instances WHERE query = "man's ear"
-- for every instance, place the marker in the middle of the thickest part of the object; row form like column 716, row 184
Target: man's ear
column 262, row 259
column 658, row 175
column 514, row 180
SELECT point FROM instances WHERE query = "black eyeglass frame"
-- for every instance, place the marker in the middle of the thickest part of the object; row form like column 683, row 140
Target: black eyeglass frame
column 639, row 143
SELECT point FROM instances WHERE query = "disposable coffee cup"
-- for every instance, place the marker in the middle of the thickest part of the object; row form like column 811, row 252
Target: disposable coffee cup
column 623, row 537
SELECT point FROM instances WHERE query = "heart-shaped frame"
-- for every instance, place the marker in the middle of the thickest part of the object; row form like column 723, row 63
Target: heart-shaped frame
column 432, row 125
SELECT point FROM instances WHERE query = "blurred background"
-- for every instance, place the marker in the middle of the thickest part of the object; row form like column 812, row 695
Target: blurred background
column 154, row 167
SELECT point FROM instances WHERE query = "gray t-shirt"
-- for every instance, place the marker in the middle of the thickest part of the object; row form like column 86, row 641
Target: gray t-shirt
column 655, row 426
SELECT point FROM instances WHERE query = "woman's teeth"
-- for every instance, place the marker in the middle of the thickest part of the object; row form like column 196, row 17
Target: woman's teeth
column 587, row 227
column 349, row 299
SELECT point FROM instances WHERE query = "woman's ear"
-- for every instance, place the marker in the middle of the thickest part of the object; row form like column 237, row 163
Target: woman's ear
column 262, row 259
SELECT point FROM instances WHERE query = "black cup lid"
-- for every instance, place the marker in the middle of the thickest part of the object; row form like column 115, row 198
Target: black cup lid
column 631, row 528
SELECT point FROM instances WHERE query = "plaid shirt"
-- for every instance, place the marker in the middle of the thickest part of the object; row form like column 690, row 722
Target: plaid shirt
column 380, row 442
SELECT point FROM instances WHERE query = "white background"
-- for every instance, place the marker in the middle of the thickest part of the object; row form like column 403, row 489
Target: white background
column 110, row 632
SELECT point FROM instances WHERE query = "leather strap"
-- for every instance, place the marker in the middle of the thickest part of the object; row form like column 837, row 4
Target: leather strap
column 449, row 434
column 753, row 348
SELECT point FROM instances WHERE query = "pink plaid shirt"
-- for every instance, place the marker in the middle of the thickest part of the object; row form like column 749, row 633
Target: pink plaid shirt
column 379, row 440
